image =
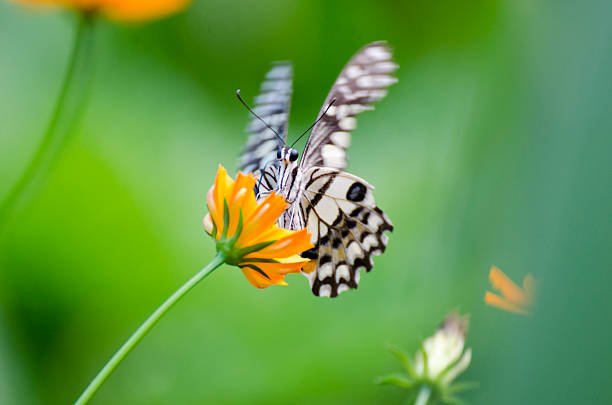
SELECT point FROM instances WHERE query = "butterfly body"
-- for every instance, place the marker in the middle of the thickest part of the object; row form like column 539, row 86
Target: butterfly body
column 289, row 177
column 336, row 207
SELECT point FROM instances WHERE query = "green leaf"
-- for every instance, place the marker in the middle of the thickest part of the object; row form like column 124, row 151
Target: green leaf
column 398, row 380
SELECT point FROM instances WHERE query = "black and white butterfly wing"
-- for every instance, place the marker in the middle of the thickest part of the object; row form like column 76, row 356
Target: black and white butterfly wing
column 363, row 81
column 272, row 105
column 347, row 229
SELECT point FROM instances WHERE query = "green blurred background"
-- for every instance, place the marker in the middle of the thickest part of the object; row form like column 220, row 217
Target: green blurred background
column 493, row 148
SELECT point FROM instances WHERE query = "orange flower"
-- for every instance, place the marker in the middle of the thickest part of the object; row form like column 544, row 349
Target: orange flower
column 120, row 10
column 247, row 234
column 514, row 298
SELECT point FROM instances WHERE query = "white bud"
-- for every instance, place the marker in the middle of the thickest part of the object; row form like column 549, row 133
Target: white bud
column 443, row 349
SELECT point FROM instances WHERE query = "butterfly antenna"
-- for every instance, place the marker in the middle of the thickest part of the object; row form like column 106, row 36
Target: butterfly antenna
column 258, row 117
column 315, row 123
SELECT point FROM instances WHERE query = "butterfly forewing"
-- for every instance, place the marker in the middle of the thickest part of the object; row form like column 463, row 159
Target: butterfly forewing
column 272, row 105
column 362, row 82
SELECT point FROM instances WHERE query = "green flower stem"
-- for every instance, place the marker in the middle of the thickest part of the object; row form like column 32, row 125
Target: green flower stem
column 147, row 325
column 68, row 106
column 423, row 395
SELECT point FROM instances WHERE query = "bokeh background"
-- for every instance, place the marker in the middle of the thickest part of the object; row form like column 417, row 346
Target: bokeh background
column 493, row 148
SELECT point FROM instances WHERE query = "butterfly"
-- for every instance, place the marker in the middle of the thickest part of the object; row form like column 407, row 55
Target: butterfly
column 337, row 207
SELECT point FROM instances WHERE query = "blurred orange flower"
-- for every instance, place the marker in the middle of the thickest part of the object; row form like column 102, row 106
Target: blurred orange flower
column 120, row 10
column 247, row 234
column 513, row 298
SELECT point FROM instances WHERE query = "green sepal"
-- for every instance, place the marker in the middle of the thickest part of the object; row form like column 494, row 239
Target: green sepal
column 235, row 256
column 398, row 380
column 214, row 230
column 234, row 238
column 259, row 260
column 257, row 269
column 424, row 354
column 411, row 395
column 225, row 219
column 404, row 358
column 450, row 400
column 255, row 248
column 461, row 387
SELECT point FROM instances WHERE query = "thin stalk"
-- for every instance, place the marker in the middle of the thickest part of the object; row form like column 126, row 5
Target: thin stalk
column 423, row 396
column 68, row 105
column 146, row 326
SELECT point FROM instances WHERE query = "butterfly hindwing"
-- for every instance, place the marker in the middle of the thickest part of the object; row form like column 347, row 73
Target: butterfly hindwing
column 347, row 229
column 272, row 105
column 362, row 82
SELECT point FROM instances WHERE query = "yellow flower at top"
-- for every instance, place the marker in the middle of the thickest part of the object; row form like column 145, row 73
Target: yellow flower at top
column 247, row 234
column 513, row 298
column 120, row 10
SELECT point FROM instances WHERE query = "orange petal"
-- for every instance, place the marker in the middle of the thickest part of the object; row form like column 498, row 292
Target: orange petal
column 269, row 211
column 247, row 182
column 296, row 242
column 274, row 233
column 85, row 5
column 529, row 286
column 502, row 303
column 223, row 185
column 235, row 208
column 121, row 10
column 507, row 287
column 262, row 218
column 309, row 267
column 241, row 199
column 138, row 10
column 215, row 214
column 242, row 181
column 284, row 266
column 208, row 224
column 259, row 281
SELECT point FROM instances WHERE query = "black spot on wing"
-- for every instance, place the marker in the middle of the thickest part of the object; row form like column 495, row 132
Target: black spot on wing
column 386, row 226
column 363, row 262
column 316, row 286
column 356, row 212
column 337, row 221
column 356, row 192
column 310, row 254
column 324, row 259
